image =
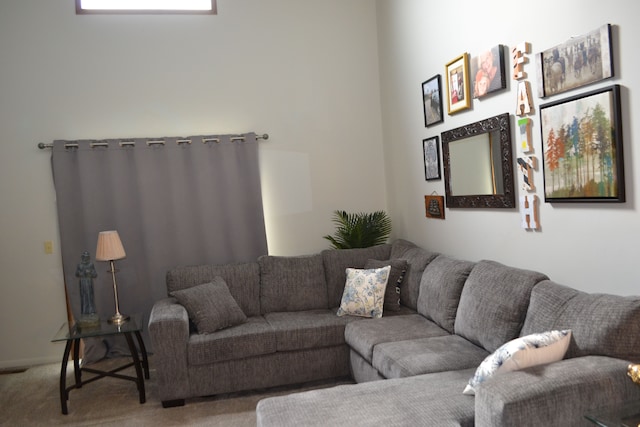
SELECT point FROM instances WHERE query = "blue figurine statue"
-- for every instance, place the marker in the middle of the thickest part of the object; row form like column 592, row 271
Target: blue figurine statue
column 87, row 272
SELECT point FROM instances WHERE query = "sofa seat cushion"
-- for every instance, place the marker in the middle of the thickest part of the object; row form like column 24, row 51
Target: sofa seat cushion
column 298, row 330
column 365, row 335
column 252, row 338
column 605, row 325
column 494, row 303
column 425, row 400
column 290, row 283
column 440, row 289
column 426, row 355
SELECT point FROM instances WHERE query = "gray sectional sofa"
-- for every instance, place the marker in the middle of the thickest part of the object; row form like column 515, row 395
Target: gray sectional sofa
column 412, row 365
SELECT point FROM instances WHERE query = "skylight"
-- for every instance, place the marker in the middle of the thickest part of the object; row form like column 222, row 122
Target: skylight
column 196, row 6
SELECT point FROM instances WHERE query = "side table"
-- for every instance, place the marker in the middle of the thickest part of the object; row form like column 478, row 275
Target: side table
column 72, row 334
column 627, row 415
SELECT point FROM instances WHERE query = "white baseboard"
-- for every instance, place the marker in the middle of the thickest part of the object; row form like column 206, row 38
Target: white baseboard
column 27, row 363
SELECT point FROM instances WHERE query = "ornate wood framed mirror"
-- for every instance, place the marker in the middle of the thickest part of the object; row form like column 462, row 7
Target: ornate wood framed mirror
column 478, row 164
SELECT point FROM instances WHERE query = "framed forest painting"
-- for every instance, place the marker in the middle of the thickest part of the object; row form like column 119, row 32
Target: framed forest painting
column 582, row 145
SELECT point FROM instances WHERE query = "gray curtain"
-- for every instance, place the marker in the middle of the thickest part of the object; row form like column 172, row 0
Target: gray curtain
column 185, row 201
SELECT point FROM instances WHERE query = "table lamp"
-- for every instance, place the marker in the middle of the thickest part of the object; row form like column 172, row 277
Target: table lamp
column 110, row 249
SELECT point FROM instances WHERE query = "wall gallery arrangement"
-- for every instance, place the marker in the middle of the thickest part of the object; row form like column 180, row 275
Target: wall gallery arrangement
column 581, row 134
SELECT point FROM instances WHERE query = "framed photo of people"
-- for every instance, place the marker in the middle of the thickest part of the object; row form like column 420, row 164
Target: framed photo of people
column 432, row 101
column 582, row 146
column 487, row 72
column 580, row 61
column 458, row 96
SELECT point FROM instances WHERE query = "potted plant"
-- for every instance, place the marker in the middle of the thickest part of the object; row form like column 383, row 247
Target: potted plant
column 359, row 230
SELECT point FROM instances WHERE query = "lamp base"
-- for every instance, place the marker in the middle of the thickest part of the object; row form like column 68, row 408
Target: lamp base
column 88, row 321
column 119, row 319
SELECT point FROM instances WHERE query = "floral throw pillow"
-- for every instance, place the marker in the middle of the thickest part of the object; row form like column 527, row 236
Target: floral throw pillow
column 364, row 292
column 520, row 353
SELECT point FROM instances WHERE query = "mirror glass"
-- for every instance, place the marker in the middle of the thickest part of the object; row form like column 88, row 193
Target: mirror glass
column 478, row 164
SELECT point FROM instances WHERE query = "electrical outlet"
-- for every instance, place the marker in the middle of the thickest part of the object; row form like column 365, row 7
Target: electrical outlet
column 48, row 247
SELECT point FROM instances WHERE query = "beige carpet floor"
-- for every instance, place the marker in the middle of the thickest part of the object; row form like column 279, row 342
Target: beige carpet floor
column 32, row 398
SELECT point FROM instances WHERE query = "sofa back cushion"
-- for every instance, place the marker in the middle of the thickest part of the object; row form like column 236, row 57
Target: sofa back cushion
column 336, row 262
column 440, row 290
column 494, row 303
column 417, row 260
column 291, row 283
column 243, row 280
column 601, row 324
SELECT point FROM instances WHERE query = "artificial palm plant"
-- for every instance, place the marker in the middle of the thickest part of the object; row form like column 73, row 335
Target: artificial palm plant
column 359, row 230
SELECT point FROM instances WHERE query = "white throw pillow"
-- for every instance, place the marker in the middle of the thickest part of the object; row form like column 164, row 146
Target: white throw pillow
column 364, row 292
column 520, row 353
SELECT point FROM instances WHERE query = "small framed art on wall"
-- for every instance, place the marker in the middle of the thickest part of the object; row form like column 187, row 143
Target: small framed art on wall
column 458, row 96
column 431, row 153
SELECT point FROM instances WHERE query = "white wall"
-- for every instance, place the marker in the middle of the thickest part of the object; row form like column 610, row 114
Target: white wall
column 588, row 246
column 305, row 72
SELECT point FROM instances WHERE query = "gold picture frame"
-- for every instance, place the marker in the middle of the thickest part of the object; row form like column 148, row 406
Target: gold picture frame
column 458, row 95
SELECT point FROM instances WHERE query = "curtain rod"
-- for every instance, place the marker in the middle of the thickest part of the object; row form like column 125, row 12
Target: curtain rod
column 152, row 141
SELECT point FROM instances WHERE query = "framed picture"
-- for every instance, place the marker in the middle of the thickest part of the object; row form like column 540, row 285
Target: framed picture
column 434, row 206
column 577, row 62
column 487, row 72
column 431, row 152
column 432, row 101
column 458, row 97
column 582, row 146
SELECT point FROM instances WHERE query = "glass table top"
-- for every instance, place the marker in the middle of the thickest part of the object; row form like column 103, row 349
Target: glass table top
column 627, row 415
column 66, row 332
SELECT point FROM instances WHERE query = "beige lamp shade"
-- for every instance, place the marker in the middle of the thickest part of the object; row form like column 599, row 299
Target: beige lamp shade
column 109, row 246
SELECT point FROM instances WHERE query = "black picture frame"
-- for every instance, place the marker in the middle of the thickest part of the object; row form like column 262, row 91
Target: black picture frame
column 431, row 156
column 432, row 101
column 578, row 62
column 582, row 146
column 488, row 72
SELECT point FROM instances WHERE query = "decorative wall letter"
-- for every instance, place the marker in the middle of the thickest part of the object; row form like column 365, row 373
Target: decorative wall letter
column 517, row 54
column 524, row 128
column 527, row 165
column 529, row 208
column 525, row 103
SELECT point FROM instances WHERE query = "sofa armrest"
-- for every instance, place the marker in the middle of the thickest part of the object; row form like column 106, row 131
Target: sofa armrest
column 559, row 394
column 169, row 332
